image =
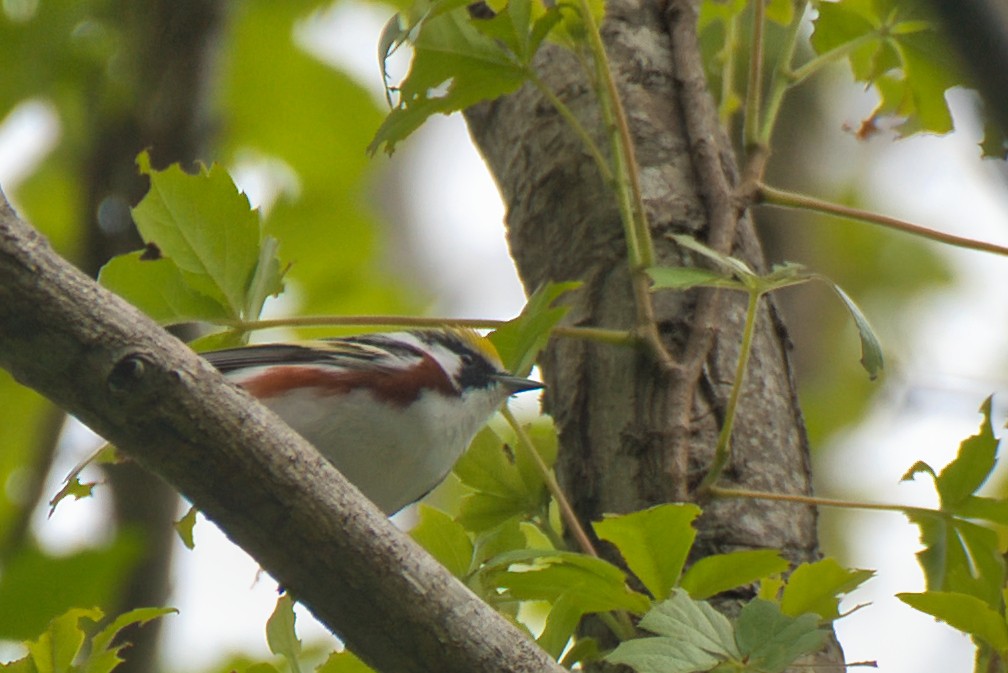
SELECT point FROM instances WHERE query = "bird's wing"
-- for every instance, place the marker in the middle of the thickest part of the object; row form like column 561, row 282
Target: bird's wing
column 355, row 353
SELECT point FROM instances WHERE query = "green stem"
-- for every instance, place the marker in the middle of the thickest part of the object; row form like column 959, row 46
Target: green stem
column 816, row 64
column 727, row 56
column 754, row 87
column 618, row 622
column 781, row 81
column 632, row 203
column 614, row 337
column 640, row 246
column 722, row 492
column 543, row 524
column 722, row 454
column 566, row 511
column 778, row 197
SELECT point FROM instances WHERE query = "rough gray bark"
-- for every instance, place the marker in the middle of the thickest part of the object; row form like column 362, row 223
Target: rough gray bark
column 627, row 438
column 262, row 484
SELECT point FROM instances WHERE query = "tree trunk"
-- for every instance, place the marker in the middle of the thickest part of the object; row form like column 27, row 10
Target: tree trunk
column 630, row 435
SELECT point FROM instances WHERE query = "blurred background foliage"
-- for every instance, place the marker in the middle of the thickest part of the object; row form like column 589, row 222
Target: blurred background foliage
column 232, row 82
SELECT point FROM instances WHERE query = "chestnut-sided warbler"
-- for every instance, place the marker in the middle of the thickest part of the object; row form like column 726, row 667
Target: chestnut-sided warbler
column 393, row 412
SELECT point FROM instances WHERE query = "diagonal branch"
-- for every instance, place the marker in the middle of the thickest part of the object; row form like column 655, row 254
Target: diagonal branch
column 267, row 489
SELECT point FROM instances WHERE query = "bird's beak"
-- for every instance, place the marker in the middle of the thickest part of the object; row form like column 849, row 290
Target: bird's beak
column 516, row 384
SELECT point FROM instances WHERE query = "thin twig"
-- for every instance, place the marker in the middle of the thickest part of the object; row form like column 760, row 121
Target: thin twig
column 723, row 492
column 566, row 511
column 722, row 453
column 640, row 246
column 716, row 191
column 754, row 87
column 771, row 196
column 614, row 337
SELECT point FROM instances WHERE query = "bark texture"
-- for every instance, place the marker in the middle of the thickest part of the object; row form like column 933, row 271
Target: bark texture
column 269, row 490
column 631, row 436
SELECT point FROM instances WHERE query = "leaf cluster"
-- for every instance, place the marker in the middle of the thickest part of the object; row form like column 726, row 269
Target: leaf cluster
column 68, row 646
column 963, row 558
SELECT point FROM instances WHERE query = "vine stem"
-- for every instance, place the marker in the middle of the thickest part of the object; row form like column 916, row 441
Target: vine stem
column 781, row 80
column 723, row 492
column 599, row 334
column 771, row 196
column 722, row 453
column 619, row 622
column 566, row 511
column 640, row 246
column 754, row 87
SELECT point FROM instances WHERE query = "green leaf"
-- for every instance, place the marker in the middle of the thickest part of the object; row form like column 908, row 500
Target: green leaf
column 104, row 655
column 516, row 28
column 158, row 288
column 654, row 542
column 488, row 466
column 959, row 556
column 963, row 612
column 994, row 510
column 737, row 267
column 505, row 485
column 592, row 584
column 184, row 527
column 561, row 622
column 817, row 588
column 720, row 572
column 543, row 435
column 343, row 662
column 280, row 632
column 871, row 349
column 56, row 648
column 896, row 47
column 267, row 278
column 692, row 636
column 495, row 541
column 780, row 11
column 454, row 66
column 206, row 227
column 685, row 277
column 444, row 539
column 584, row 650
column 920, row 467
column 73, row 488
column 973, row 464
column 771, row 641
column 520, row 340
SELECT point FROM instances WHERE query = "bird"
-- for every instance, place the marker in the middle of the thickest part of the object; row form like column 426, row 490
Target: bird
column 392, row 412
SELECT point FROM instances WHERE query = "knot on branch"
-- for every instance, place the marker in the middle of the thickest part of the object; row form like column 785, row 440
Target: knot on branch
column 127, row 373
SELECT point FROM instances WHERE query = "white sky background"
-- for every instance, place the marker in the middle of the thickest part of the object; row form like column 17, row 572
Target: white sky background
column 941, row 374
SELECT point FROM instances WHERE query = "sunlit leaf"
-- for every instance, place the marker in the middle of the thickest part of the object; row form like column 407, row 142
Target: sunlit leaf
column 184, row 527
column 818, row 587
column 654, row 542
column 281, row 635
column 444, row 539
column 520, row 340
column 721, row 572
column 963, row 612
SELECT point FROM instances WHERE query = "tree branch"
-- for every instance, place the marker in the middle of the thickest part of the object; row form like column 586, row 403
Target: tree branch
column 267, row 488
